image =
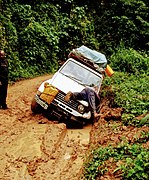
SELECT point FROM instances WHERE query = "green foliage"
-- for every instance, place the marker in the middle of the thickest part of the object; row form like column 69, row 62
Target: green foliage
column 40, row 33
column 130, row 61
column 31, row 45
column 77, row 29
column 133, row 162
column 135, row 95
column 144, row 120
column 39, row 46
column 121, row 20
column 130, row 119
column 21, row 16
column 132, row 96
column 131, row 92
column 136, row 166
column 130, row 86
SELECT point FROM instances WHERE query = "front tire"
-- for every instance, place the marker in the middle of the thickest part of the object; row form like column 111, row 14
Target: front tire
column 35, row 107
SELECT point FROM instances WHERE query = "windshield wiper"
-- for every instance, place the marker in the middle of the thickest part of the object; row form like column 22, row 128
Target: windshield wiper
column 72, row 77
column 84, row 84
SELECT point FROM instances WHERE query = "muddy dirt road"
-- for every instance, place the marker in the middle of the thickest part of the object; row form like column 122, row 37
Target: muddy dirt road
column 34, row 148
column 31, row 147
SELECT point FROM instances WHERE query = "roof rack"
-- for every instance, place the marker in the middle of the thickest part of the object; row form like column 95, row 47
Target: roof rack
column 79, row 57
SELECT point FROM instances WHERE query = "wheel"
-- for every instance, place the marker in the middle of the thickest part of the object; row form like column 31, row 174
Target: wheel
column 35, row 107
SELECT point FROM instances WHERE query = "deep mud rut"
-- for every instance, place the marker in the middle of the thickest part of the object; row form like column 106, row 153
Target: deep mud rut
column 32, row 147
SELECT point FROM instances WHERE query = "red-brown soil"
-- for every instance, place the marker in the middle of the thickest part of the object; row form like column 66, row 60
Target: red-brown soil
column 32, row 147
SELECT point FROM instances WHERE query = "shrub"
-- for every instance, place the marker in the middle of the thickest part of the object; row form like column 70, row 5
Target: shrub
column 130, row 61
column 130, row 93
column 131, row 161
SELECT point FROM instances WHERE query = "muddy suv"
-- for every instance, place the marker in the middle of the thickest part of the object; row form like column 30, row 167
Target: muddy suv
column 74, row 75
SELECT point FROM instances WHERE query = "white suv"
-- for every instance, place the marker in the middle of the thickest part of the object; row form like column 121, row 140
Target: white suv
column 74, row 75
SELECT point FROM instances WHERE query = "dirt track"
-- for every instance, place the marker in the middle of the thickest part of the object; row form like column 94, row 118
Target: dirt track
column 34, row 148
column 31, row 147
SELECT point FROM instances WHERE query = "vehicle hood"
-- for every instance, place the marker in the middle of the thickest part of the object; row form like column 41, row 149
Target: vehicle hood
column 63, row 83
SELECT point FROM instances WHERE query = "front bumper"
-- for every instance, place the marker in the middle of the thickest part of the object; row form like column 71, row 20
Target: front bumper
column 60, row 108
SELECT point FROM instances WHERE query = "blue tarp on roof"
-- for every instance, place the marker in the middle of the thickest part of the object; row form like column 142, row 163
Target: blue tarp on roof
column 96, row 57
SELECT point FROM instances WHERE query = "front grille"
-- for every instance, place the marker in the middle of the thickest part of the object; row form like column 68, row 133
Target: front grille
column 60, row 97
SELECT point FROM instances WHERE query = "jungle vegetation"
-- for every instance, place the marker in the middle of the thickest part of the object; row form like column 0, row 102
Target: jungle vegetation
column 36, row 34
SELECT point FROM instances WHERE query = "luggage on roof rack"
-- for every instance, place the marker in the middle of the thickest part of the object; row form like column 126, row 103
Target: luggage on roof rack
column 87, row 55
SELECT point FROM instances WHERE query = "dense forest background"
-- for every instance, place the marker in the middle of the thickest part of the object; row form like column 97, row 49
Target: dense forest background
column 37, row 34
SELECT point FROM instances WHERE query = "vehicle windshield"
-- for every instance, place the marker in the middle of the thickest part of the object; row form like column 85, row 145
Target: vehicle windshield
column 80, row 74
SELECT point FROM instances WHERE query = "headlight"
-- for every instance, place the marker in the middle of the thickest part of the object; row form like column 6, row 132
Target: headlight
column 81, row 109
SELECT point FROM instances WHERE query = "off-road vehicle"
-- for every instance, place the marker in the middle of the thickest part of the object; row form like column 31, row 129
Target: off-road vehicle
column 82, row 68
